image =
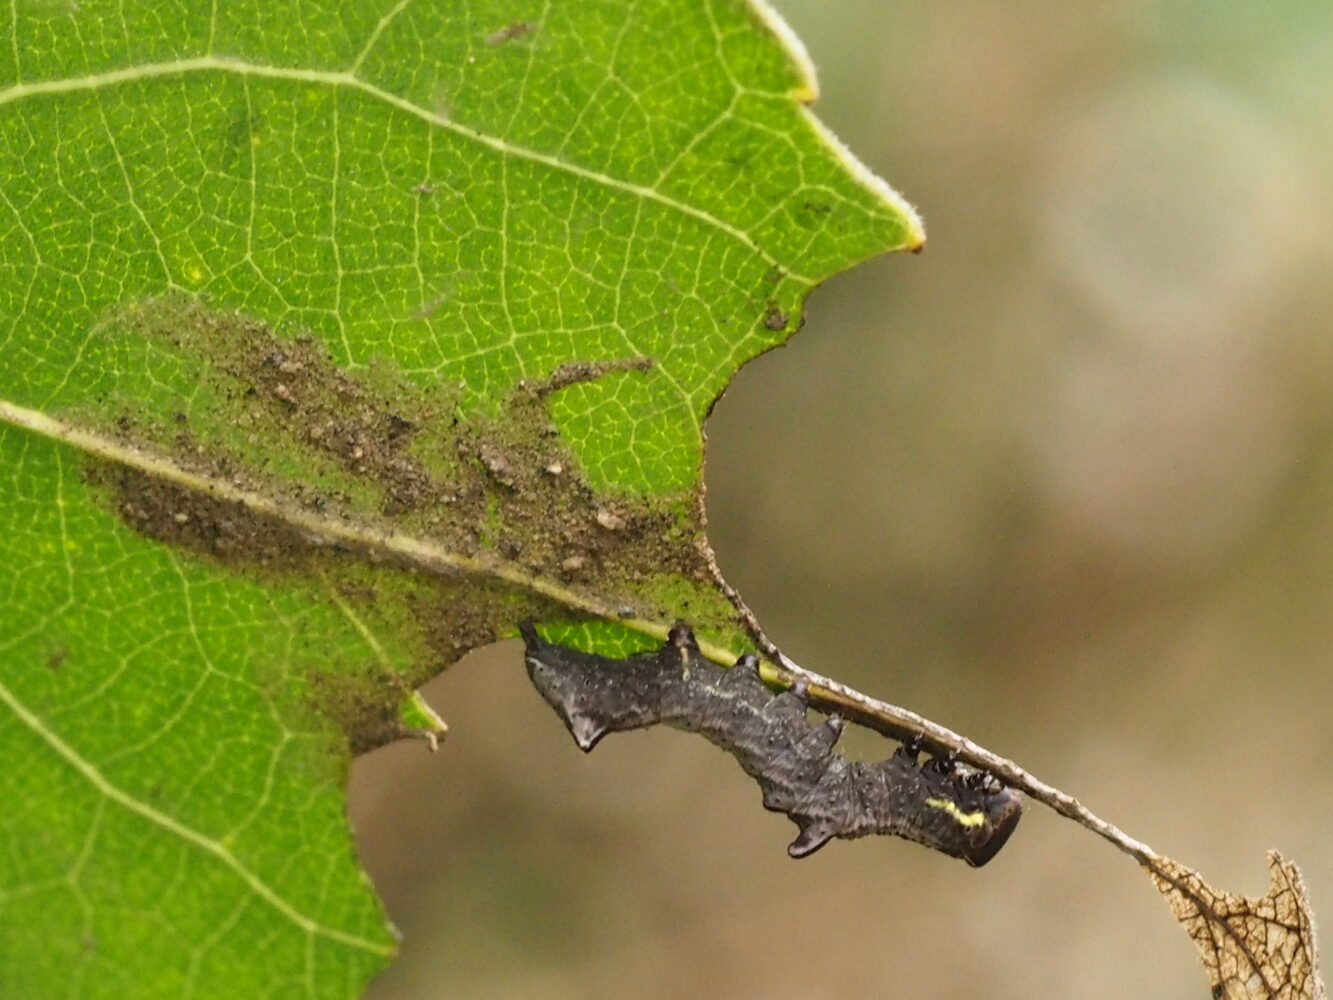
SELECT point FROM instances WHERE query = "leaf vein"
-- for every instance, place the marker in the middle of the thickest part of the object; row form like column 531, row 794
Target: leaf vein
column 128, row 802
column 210, row 63
column 422, row 553
column 375, row 34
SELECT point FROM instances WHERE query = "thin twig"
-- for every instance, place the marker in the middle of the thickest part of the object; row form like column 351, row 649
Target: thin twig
column 902, row 724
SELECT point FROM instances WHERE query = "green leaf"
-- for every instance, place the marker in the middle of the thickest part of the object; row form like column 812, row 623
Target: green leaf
column 335, row 339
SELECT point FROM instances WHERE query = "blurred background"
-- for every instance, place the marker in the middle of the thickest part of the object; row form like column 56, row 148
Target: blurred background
column 1063, row 483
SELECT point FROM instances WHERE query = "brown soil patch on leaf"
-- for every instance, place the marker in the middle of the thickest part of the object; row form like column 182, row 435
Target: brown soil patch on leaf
column 219, row 529
column 366, row 446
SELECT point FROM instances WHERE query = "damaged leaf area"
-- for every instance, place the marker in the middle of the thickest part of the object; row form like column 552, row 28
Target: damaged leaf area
column 335, row 341
column 1252, row 948
column 283, row 463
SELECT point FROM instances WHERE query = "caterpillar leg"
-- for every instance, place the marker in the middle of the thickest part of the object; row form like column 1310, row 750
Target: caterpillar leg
column 812, row 837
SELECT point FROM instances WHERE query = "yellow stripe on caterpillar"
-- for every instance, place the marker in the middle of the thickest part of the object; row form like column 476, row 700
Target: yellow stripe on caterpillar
column 964, row 819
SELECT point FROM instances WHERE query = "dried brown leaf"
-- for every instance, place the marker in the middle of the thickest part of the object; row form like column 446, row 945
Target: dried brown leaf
column 1259, row 948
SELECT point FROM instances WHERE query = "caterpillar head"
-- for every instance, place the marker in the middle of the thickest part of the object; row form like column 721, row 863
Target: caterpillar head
column 971, row 812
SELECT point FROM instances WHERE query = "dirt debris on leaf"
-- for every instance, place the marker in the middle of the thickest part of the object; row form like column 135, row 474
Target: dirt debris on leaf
column 365, row 445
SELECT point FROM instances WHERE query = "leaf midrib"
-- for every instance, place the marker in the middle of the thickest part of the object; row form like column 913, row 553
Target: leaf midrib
column 366, row 535
column 210, row 63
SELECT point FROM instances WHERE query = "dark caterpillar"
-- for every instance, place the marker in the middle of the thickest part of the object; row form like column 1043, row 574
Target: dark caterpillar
column 966, row 814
